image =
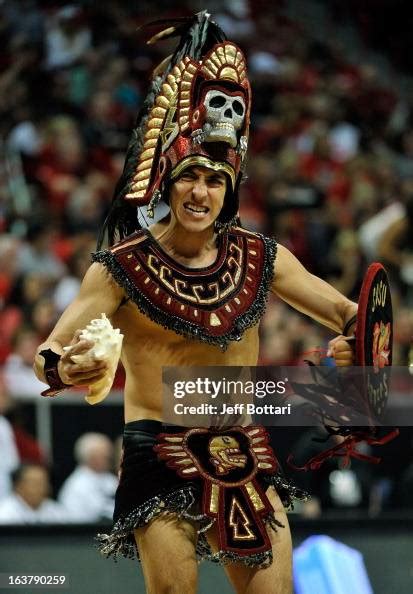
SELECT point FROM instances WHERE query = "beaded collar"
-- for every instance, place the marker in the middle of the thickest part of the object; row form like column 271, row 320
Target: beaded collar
column 215, row 304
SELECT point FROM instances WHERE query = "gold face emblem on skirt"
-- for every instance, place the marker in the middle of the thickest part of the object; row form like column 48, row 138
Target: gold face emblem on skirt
column 226, row 454
column 228, row 462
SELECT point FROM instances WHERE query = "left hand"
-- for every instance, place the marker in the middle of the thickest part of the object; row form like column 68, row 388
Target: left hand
column 341, row 349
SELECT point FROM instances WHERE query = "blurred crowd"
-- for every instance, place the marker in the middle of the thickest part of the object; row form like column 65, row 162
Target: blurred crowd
column 330, row 167
column 86, row 496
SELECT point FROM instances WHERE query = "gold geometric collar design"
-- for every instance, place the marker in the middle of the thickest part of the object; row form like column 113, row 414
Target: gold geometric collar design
column 214, row 304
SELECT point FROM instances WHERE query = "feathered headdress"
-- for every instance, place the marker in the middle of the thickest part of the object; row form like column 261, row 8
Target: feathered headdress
column 196, row 113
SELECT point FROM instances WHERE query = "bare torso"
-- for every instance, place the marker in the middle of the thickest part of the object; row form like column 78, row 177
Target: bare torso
column 147, row 347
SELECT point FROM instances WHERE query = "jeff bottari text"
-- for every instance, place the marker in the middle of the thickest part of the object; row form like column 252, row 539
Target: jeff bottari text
column 241, row 408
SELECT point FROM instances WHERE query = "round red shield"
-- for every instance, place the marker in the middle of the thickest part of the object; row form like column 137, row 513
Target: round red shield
column 374, row 338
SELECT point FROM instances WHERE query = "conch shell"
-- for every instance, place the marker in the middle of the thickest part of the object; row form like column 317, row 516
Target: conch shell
column 107, row 347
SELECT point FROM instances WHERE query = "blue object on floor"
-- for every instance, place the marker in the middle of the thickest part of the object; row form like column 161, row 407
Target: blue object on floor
column 323, row 565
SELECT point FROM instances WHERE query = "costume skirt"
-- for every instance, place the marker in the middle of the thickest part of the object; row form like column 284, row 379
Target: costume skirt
column 148, row 488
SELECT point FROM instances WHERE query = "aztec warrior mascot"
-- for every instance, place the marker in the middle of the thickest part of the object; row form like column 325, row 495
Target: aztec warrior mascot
column 190, row 290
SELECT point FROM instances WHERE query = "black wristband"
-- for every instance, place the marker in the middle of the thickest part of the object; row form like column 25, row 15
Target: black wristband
column 51, row 359
column 349, row 324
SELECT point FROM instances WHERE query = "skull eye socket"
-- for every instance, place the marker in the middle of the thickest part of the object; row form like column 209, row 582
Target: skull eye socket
column 217, row 101
column 238, row 108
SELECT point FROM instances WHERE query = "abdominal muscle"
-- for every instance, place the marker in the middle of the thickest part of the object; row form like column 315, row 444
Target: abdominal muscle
column 147, row 348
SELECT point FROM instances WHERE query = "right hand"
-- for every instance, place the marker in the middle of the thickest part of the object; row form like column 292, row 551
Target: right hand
column 83, row 373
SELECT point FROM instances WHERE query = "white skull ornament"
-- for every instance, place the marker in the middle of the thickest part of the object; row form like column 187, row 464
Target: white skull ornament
column 224, row 117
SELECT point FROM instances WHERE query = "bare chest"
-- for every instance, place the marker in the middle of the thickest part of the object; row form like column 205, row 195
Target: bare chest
column 148, row 344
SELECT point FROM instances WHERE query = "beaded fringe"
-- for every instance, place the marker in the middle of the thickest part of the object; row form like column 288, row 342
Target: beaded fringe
column 121, row 542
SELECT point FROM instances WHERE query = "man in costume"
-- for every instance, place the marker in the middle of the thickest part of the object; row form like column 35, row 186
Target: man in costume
column 190, row 291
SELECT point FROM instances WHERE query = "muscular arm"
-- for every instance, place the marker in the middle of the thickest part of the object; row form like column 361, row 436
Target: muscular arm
column 98, row 294
column 309, row 294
